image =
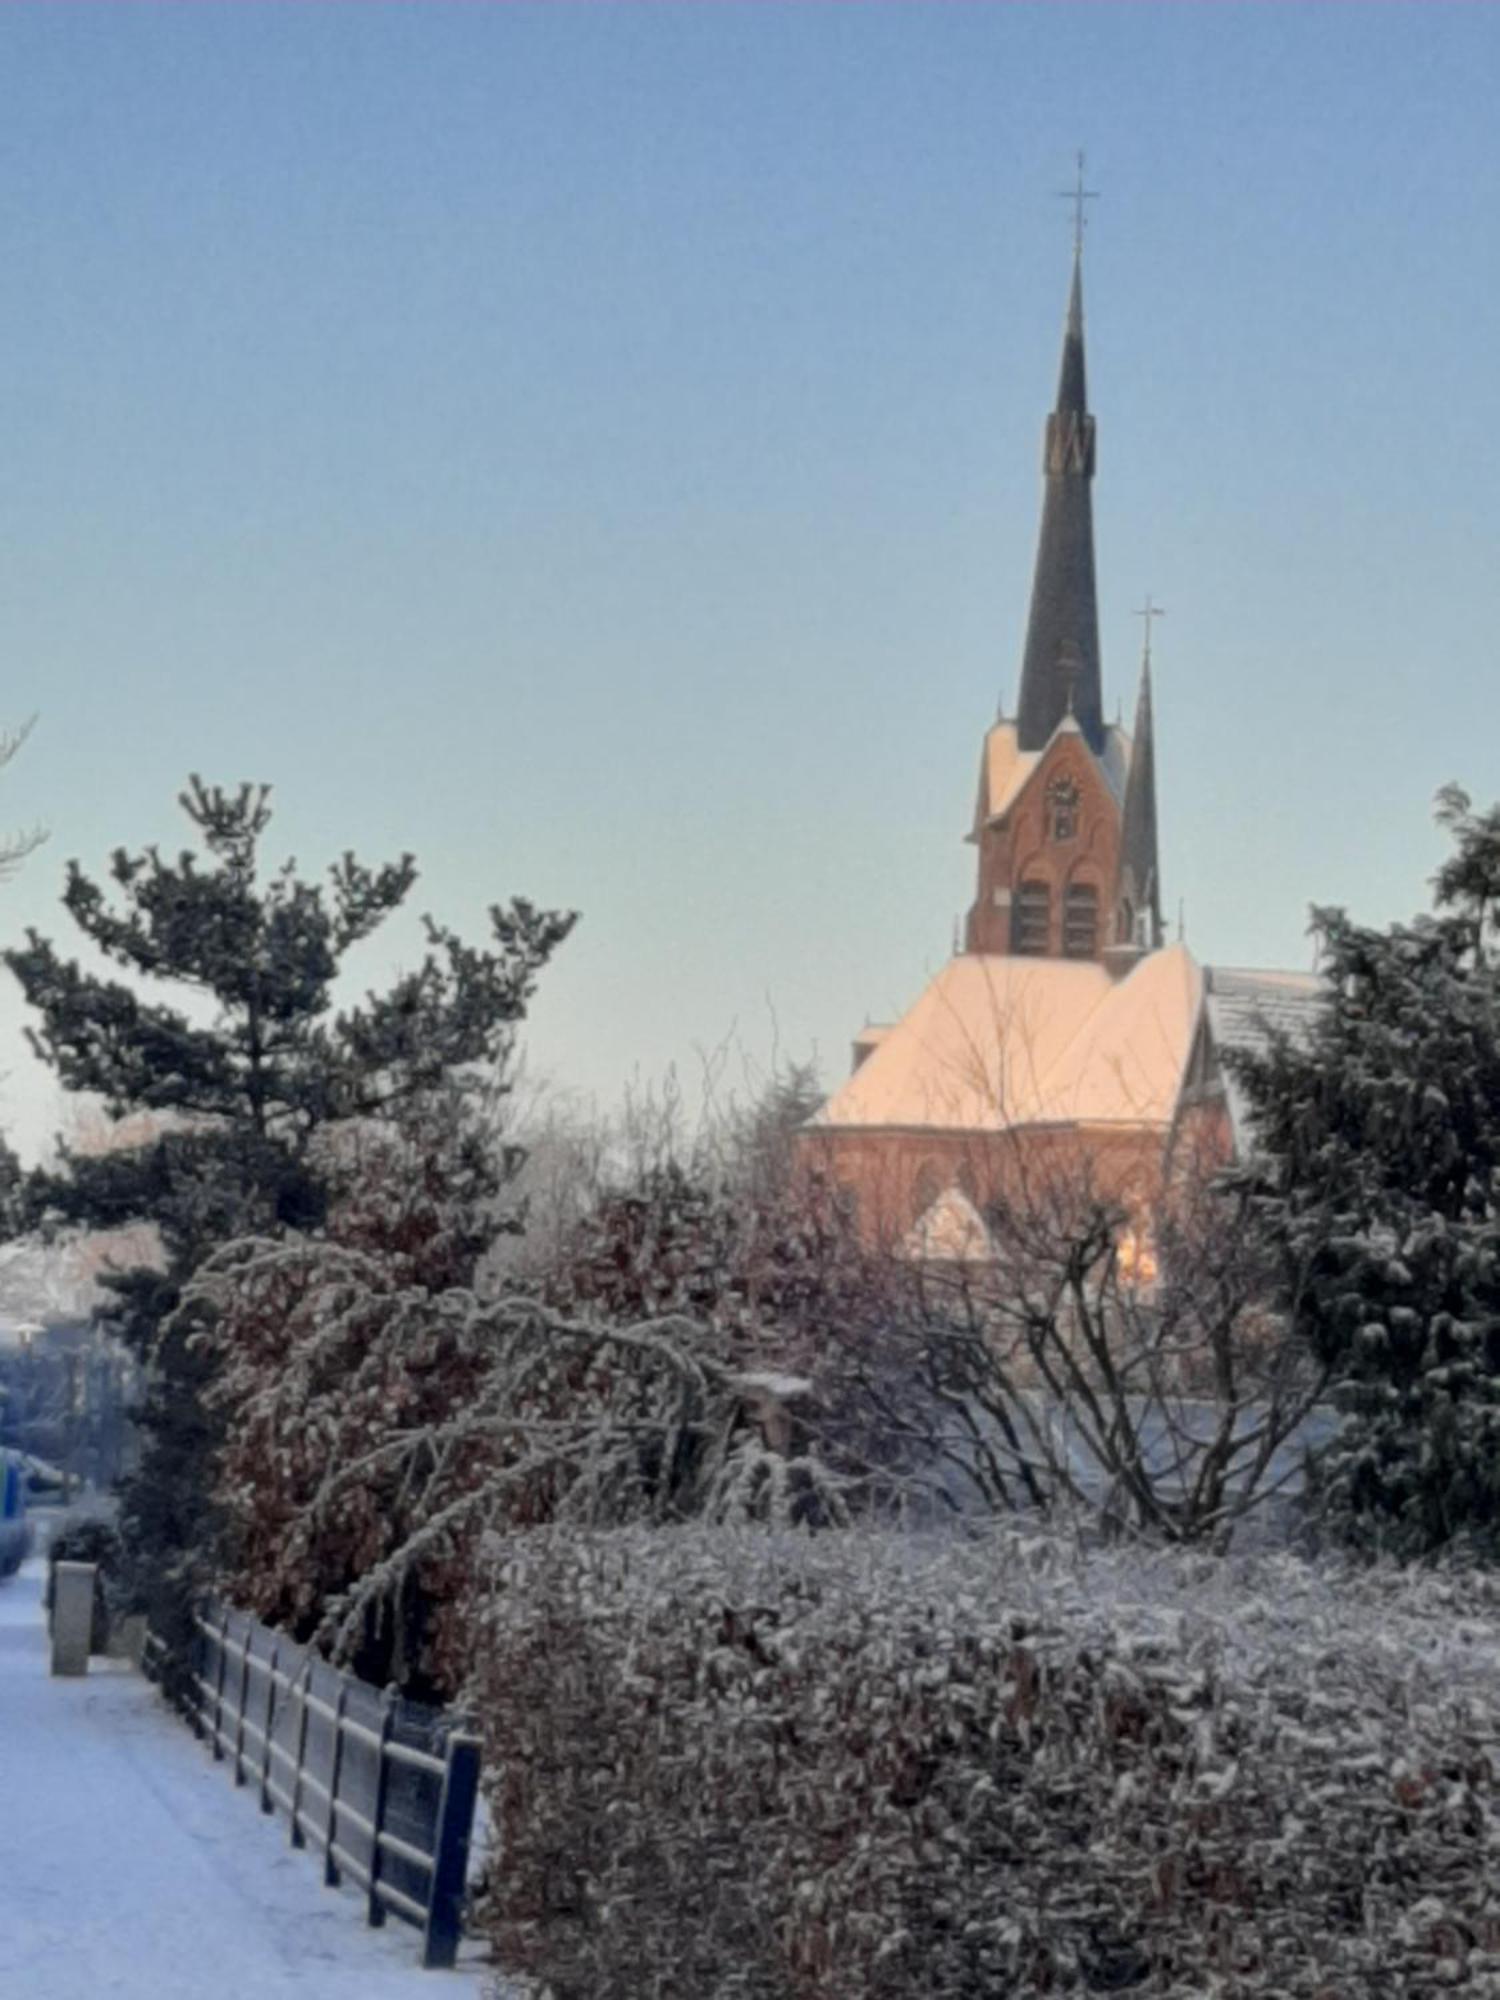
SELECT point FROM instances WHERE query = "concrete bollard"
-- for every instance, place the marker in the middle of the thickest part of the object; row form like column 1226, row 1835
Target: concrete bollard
column 72, row 1616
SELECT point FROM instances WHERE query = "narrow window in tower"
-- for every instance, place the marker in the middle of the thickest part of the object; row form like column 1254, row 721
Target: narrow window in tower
column 1062, row 809
column 1080, row 920
column 1031, row 918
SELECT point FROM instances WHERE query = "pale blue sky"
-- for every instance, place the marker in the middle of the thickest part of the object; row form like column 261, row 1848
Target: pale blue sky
column 598, row 449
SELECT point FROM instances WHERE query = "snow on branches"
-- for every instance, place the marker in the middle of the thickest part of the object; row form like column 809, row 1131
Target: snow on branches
column 1376, row 1185
column 382, row 1411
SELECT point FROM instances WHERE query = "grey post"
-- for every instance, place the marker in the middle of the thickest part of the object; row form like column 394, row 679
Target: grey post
column 72, row 1616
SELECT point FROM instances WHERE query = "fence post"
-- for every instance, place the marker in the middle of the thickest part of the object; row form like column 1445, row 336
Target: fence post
column 330, row 1866
column 196, row 1664
column 450, row 1863
column 382, row 1785
column 266, row 1803
column 304, row 1677
column 242, row 1704
column 223, row 1644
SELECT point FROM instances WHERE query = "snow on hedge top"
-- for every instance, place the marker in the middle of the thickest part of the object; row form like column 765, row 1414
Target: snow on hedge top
column 1002, row 1765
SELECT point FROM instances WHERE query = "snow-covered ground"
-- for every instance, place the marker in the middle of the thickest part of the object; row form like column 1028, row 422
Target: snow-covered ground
column 132, row 1869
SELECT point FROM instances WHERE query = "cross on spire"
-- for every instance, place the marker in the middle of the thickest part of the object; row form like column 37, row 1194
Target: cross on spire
column 1148, row 611
column 1078, row 194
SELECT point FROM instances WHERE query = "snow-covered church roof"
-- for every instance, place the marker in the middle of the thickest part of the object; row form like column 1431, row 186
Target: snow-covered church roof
column 1004, row 1041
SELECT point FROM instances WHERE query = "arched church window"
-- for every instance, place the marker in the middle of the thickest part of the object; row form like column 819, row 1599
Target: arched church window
column 1062, row 809
column 1031, row 918
column 1080, row 920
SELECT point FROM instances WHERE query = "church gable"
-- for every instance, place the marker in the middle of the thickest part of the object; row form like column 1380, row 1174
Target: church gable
column 1047, row 863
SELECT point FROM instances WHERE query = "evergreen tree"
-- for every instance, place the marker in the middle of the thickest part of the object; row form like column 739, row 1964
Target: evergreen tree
column 762, row 1138
column 242, row 1065
column 1377, row 1180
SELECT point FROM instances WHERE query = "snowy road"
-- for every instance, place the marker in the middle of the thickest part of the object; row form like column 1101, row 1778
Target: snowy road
column 132, row 1869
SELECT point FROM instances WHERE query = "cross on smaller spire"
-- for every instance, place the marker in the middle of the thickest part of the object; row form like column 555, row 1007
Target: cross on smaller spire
column 1148, row 611
column 1078, row 194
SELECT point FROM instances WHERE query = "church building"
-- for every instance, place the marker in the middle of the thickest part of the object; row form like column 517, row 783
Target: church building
column 1054, row 1047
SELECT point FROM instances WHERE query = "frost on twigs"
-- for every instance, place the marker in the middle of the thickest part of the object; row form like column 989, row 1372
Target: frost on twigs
column 383, row 1410
column 842, row 1767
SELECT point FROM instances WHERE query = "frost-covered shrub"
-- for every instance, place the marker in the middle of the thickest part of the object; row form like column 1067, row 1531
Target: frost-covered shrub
column 382, row 1406
column 732, row 1763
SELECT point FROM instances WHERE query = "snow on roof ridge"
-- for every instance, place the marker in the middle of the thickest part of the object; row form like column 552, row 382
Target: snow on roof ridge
column 1231, row 979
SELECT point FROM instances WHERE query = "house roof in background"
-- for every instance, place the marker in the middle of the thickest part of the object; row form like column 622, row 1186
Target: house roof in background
column 1242, row 1009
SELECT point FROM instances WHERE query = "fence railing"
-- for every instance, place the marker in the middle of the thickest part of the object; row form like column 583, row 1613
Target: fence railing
column 384, row 1787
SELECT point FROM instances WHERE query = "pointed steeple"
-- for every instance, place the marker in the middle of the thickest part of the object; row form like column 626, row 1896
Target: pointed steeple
column 1140, row 875
column 1062, row 635
column 1072, row 376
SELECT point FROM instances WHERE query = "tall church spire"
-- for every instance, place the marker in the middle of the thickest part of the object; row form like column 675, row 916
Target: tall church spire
column 1061, row 665
column 1139, row 900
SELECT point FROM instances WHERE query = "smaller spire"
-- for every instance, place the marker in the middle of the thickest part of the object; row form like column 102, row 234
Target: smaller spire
column 1140, row 885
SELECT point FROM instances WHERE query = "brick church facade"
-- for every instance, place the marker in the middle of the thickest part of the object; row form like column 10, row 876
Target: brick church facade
column 1055, row 1048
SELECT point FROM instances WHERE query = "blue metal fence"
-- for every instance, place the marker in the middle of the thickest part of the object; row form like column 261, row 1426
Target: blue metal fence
column 385, row 1788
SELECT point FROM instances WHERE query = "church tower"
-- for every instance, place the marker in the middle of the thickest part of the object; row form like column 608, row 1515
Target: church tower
column 1063, row 1023
column 1065, row 822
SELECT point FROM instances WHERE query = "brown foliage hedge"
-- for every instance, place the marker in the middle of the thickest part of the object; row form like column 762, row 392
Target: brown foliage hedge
column 736, row 1765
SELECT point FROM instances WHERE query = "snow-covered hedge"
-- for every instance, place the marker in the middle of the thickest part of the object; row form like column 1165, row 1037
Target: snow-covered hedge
column 734, row 1763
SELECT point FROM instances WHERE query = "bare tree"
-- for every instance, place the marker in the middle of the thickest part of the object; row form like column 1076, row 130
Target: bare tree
column 1067, row 1346
column 15, row 847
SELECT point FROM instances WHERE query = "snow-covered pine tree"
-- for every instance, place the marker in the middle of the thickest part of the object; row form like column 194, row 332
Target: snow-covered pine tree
column 239, row 1084
column 1376, row 1177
